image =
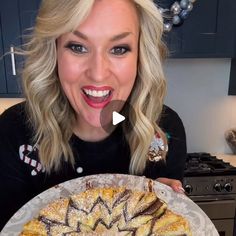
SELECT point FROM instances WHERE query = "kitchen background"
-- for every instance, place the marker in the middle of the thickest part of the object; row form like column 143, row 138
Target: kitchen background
column 198, row 72
column 197, row 90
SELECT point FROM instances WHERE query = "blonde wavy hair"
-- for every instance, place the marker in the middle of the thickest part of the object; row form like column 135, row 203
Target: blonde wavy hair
column 49, row 110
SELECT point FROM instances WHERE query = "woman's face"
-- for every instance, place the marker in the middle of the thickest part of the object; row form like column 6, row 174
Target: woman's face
column 97, row 63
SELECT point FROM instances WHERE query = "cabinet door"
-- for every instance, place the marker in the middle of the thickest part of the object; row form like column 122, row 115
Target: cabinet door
column 27, row 14
column 209, row 31
column 16, row 17
column 232, row 79
column 3, row 87
column 226, row 35
column 11, row 38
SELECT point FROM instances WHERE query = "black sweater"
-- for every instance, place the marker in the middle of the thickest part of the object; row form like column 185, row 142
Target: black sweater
column 22, row 176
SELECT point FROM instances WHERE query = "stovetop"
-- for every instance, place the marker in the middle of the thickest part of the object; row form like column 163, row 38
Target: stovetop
column 207, row 175
column 204, row 164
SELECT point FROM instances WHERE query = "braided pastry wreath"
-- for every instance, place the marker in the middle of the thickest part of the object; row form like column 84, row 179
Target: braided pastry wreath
column 108, row 211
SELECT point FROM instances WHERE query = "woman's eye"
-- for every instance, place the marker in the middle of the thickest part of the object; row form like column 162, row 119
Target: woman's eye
column 120, row 50
column 77, row 48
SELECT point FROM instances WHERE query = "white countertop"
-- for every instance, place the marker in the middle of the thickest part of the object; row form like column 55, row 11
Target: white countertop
column 231, row 158
column 8, row 102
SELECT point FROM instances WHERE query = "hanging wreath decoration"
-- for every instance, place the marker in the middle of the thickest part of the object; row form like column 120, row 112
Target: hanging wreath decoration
column 176, row 14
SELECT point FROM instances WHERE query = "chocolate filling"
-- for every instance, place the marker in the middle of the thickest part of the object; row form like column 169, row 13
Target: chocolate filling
column 49, row 223
column 122, row 198
column 101, row 201
column 101, row 221
column 150, row 209
column 131, row 230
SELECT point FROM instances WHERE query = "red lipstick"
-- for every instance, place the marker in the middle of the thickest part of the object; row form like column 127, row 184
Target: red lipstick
column 97, row 97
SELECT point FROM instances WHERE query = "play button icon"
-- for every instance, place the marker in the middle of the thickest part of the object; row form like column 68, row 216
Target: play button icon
column 117, row 118
column 117, row 113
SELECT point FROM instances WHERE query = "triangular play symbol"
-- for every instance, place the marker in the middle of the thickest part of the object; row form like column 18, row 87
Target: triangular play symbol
column 117, row 118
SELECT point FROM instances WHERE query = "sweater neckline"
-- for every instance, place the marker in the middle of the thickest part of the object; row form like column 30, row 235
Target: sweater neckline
column 114, row 138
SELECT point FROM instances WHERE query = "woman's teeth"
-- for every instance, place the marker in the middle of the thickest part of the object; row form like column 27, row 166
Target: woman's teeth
column 95, row 93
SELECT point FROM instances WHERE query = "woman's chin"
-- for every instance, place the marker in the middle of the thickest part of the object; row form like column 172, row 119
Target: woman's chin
column 95, row 122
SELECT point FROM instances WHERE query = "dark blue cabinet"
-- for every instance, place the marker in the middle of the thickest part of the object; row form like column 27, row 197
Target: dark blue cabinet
column 11, row 38
column 3, row 86
column 209, row 32
column 15, row 17
column 232, row 78
column 27, row 13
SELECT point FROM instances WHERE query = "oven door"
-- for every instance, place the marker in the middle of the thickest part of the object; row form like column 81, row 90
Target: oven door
column 221, row 211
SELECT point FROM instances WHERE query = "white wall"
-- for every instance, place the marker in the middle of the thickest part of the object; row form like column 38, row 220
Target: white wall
column 197, row 90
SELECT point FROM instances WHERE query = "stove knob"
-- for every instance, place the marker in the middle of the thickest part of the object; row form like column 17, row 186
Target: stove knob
column 188, row 188
column 218, row 187
column 228, row 187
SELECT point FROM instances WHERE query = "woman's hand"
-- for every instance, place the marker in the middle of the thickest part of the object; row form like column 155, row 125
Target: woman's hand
column 175, row 184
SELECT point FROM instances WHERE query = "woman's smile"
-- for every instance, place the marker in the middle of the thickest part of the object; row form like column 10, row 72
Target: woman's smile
column 97, row 97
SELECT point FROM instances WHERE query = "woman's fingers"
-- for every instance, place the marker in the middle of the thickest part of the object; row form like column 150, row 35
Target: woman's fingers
column 175, row 184
column 178, row 189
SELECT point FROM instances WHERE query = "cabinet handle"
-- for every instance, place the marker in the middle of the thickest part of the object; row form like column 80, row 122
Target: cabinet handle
column 13, row 64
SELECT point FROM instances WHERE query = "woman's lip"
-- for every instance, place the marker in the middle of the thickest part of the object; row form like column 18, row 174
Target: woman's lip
column 95, row 103
column 102, row 88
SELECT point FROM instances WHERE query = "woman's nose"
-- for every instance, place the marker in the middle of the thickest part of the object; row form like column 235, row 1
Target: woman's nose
column 98, row 68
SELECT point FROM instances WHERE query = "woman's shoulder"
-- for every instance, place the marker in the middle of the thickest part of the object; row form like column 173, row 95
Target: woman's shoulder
column 13, row 112
column 13, row 118
column 170, row 118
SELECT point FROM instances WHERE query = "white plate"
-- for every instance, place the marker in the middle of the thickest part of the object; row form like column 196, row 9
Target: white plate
column 200, row 224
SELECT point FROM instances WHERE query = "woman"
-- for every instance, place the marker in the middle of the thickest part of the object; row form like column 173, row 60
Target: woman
column 82, row 56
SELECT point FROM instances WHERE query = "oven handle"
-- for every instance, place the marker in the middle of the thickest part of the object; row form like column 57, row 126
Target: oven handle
column 219, row 201
column 212, row 198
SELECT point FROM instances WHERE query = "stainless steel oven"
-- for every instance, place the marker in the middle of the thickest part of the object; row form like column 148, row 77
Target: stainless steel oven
column 211, row 184
column 221, row 210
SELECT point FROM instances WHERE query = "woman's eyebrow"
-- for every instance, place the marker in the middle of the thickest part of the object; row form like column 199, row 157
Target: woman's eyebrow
column 113, row 38
column 120, row 36
column 80, row 35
